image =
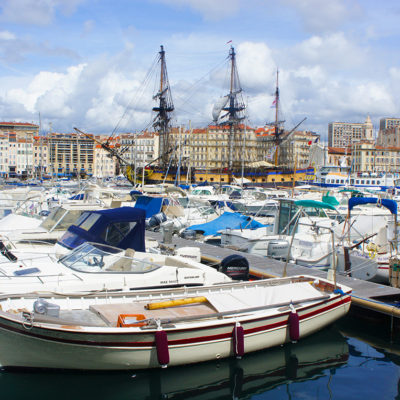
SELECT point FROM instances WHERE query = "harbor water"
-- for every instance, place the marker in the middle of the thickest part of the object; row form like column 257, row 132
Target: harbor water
column 349, row 360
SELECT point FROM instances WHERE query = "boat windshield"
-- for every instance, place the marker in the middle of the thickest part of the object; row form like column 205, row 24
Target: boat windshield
column 99, row 258
column 60, row 219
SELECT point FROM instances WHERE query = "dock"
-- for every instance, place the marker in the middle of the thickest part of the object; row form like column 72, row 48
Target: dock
column 366, row 296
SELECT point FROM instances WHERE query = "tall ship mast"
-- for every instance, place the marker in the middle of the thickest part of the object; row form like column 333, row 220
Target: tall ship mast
column 234, row 108
column 164, row 109
column 278, row 130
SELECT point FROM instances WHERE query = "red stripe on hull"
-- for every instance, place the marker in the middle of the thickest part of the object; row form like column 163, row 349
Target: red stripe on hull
column 173, row 342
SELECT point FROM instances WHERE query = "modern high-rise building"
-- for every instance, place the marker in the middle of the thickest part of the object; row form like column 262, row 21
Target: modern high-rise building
column 343, row 134
column 70, row 154
column 387, row 123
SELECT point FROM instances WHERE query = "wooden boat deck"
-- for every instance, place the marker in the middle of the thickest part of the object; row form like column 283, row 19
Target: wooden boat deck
column 367, row 295
column 109, row 312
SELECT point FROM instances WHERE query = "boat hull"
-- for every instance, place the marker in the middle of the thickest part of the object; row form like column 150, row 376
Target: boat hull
column 74, row 347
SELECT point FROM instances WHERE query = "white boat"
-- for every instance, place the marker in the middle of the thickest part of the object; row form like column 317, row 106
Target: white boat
column 20, row 229
column 334, row 176
column 370, row 259
column 305, row 220
column 149, row 329
column 95, row 267
column 318, row 355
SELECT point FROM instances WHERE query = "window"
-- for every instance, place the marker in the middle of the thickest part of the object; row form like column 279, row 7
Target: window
column 116, row 232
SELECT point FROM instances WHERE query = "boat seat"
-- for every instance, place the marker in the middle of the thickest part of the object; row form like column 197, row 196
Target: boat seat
column 176, row 262
column 124, row 263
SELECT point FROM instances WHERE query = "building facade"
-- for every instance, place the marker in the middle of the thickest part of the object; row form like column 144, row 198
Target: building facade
column 368, row 157
column 388, row 123
column 70, row 154
column 343, row 134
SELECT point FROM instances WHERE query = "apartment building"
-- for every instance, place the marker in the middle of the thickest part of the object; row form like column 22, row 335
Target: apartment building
column 370, row 157
column 208, row 148
column 70, row 154
column 343, row 134
column 139, row 149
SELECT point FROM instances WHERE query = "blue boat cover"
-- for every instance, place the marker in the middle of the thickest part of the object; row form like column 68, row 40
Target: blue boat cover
column 391, row 205
column 224, row 221
column 151, row 205
column 122, row 227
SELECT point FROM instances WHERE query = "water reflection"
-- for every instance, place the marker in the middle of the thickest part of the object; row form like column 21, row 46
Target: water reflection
column 314, row 357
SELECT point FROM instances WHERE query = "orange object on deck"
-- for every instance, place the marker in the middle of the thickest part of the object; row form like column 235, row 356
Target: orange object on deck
column 129, row 320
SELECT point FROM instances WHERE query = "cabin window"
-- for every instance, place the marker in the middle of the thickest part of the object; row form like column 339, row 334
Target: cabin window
column 341, row 181
column 291, row 179
column 162, row 176
column 352, row 181
column 253, row 180
column 263, row 180
column 201, row 178
column 373, row 182
column 367, row 182
column 222, row 179
column 357, row 181
column 212, row 179
column 273, row 179
column 282, row 180
column 88, row 220
column 116, row 232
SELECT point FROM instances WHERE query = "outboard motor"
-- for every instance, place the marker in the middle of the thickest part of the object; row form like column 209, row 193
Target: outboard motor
column 278, row 248
column 156, row 220
column 235, row 266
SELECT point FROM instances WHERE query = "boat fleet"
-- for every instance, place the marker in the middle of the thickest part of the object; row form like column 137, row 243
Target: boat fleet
column 81, row 287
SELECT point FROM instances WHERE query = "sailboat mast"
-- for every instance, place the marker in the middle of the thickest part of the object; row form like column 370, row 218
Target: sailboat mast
column 234, row 109
column 277, row 130
column 163, row 110
column 231, row 112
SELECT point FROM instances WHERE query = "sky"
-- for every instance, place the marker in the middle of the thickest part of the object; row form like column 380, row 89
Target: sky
column 91, row 63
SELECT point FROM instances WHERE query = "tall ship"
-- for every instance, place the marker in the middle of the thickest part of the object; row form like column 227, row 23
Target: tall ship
column 226, row 151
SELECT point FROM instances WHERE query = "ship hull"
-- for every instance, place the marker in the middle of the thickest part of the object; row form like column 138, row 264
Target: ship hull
column 259, row 178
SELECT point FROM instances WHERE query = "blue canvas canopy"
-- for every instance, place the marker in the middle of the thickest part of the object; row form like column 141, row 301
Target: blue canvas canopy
column 151, row 205
column 122, row 227
column 226, row 220
column 391, row 205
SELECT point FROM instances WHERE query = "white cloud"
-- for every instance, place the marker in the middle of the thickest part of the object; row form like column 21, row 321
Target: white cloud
column 35, row 12
column 256, row 66
column 334, row 51
column 6, row 35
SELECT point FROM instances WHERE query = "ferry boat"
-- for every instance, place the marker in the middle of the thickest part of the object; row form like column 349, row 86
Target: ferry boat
column 335, row 176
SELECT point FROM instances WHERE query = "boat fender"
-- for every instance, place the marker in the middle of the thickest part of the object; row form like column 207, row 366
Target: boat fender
column 162, row 347
column 238, row 340
column 235, row 266
column 7, row 253
column 339, row 291
column 294, row 325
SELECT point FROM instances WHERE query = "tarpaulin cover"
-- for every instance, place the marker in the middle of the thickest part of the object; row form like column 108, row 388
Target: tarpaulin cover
column 226, row 220
column 151, row 205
